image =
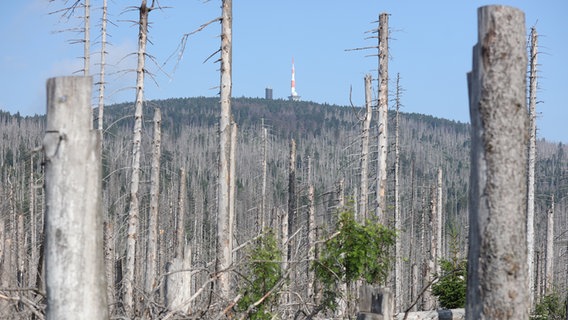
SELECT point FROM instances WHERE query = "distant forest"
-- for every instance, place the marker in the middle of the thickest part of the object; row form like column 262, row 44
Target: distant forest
column 328, row 151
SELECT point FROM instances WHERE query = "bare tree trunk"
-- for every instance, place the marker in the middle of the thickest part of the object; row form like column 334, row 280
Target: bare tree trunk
column 224, row 250
column 180, row 223
column 364, row 188
column 232, row 181
column 133, row 213
column 439, row 224
column 549, row 283
column 33, row 229
column 291, row 194
column 383, row 116
column 152, row 247
column 397, row 218
column 429, row 301
column 311, row 242
column 497, row 259
column 102, row 69
column 532, row 162
column 86, row 40
column 109, row 248
column 264, row 179
column 74, row 249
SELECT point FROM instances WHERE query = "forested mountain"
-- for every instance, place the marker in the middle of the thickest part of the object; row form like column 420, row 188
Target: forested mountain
column 328, row 151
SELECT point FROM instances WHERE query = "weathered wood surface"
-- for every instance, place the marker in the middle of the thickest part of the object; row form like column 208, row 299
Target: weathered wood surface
column 497, row 261
column 75, row 279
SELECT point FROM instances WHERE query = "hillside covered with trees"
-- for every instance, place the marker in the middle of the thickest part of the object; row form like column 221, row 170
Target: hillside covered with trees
column 327, row 157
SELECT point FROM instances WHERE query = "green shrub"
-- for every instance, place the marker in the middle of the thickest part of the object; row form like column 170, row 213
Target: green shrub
column 263, row 273
column 356, row 252
column 451, row 286
column 550, row 307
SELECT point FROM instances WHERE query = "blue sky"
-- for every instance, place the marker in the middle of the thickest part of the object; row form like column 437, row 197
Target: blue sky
column 431, row 43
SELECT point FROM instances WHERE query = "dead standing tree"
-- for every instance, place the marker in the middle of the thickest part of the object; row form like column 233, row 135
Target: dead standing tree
column 75, row 278
column 532, row 161
column 134, row 210
column 497, row 261
column 364, row 191
column 224, row 233
column 382, row 118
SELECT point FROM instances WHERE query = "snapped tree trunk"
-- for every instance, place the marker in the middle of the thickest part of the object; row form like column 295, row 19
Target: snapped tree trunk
column 75, row 279
column 497, row 258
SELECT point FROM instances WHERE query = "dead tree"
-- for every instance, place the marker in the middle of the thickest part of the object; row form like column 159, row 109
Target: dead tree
column 532, row 161
column 87, row 40
column 263, row 213
column 550, row 249
column 152, row 239
column 75, row 278
column 363, row 194
column 497, row 258
column 439, row 223
column 397, row 216
column 102, row 67
column 224, row 234
column 382, row 119
column 134, row 210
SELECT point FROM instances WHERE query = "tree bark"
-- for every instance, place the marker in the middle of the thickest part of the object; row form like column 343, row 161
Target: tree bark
column 383, row 116
column 497, row 258
column 397, row 217
column 102, row 67
column 439, row 223
column 152, row 247
column 75, row 278
column 264, row 178
column 364, row 188
column 180, row 223
column 549, row 283
column 87, row 40
column 224, row 250
column 133, row 212
column 532, row 163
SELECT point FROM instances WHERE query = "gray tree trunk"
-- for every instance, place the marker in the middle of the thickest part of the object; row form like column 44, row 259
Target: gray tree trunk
column 180, row 223
column 532, row 162
column 232, row 181
column 497, row 258
column 549, row 283
column 133, row 212
column 311, row 242
column 264, row 179
column 102, row 67
column 152, row 246
column 364, row 191
column 439, row 224
column 383, row 116
column 75, row 277
column 397, row 217
column 86, row 40
column 224, row 250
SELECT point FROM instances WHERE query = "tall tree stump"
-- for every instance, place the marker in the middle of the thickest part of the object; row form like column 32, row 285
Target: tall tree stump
column 75, row 279
column 497, row 261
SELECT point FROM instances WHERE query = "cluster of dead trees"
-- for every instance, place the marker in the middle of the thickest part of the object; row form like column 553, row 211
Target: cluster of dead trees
column 174, row 221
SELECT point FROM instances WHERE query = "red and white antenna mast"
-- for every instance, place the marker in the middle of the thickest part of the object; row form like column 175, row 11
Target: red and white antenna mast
column 293, row 94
